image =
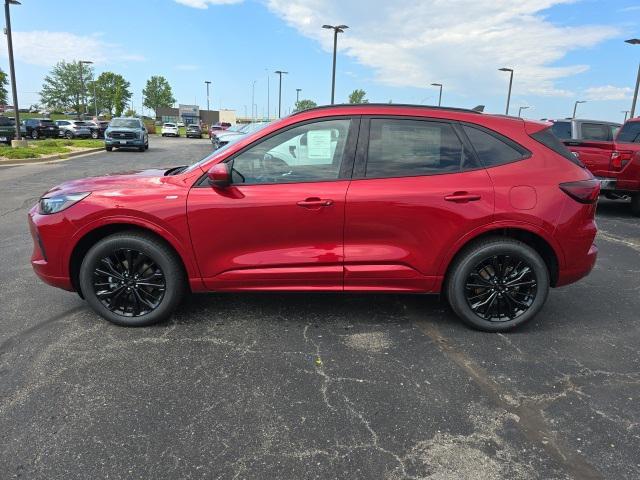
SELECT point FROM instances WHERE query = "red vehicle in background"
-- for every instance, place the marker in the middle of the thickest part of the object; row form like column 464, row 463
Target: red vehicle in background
column 489, row 211
column 610, row 152
column 216, row 127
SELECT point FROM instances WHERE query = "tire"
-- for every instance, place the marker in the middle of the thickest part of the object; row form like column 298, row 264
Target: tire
column 34, row 134
column 163, row 135
column 68, row 135
column 635, row 204
column 108, row 149
column 146, row 146
column 137, row 305
column 141, row 149
column 474, row 281
column 94, row 134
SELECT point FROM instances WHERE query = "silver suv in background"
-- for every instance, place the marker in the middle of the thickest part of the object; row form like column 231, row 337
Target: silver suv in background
column 73, row 129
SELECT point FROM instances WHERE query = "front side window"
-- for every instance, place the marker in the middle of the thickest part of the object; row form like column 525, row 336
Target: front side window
column 494, row 149
column 307, row 153
column 595, row 131
column 629, row 133
column 403, row 148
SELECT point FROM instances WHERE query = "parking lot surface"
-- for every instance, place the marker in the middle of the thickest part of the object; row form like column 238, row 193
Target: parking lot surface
column 312, row 385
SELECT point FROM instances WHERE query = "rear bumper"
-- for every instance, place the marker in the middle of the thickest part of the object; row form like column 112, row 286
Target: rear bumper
column 571, row 275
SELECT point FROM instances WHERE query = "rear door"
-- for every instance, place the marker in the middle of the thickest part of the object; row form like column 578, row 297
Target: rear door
column 594, row 146
column 417, row 188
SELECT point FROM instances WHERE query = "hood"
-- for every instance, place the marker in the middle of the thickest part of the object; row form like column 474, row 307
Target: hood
column 124, row 129
column 115, row 181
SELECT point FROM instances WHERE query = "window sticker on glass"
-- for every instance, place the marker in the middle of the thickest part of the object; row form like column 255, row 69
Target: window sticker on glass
column 319, row 144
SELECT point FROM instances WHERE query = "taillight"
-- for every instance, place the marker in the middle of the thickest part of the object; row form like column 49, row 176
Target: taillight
column 619, row 159
column 583, row 191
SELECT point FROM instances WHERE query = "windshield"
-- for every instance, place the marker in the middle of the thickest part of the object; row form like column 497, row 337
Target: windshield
column 629, row 133
column 232, row 141
column 125, row 122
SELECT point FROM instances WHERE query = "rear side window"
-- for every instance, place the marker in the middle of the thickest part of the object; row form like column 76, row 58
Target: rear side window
column 404, row 148
column 493, row 149
column 629, row 133
column 562, row 130
column 549, row 140
column 595, row 131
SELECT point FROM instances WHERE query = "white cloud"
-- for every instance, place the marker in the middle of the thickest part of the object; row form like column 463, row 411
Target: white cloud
column 205, row 3
column 459, row 43
column 608, row 92
column 45, row 48
column 187, row 67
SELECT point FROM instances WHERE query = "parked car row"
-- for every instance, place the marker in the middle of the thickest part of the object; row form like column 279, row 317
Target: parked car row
column 610, row 151
column 170, row 129
column 221, row 137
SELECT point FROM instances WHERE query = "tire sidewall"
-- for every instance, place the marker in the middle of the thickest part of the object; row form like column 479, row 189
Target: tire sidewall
column 456, row 286
column 173, row 278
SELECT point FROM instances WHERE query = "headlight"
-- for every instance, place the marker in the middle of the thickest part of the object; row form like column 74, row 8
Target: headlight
column 57, row 203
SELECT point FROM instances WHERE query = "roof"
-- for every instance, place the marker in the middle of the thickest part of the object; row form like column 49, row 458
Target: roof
column 387, row 105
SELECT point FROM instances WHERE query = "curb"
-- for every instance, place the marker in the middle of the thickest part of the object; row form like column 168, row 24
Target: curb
column 57, row 157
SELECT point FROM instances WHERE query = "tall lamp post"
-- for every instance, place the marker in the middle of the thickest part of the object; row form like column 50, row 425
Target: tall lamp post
column 268, row 95
column 634, row 41
column 280, row 73
column 440, row 95
column 575, row 107
column 520, row 110
column 253, row 93
column 626, row 112
column 504, row 69
column 12, row 71
column 298, row 90
column 84, row 94
column 336, row 30
column 207, row 83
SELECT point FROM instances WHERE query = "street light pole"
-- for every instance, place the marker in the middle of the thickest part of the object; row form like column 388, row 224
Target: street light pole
column 280, row 73
column 439, row 96
column 83, row 93
column 268, row 95
column 298, row 90
column 635, row 41
column 207, row 82
column 626, row 112
column 520, row 110
column 510, row 70
column 575, row 107
column 336, row 29
column 12, row 70
column 253, row 93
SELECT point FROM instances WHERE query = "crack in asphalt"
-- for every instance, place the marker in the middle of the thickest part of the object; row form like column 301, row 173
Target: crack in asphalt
column 531, row 418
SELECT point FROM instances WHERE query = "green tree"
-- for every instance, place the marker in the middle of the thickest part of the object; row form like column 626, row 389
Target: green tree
column 157, row 94
column 63, row 88
column 112, row 92
column 357, row 96
column 130, row 113
column 305, row 105
column 4, row 94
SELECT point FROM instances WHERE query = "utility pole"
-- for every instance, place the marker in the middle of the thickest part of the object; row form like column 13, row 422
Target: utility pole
column 207, row 82
column 268, row 94
column 504, row 69
column 12, row 70
column 440, row 95
column 253, row 94
column 280, row 73
column 336, row 30
column 575, row 107
column 635, row 41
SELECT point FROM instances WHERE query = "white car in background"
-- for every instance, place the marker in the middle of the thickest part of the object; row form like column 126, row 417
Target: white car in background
column 170, row 130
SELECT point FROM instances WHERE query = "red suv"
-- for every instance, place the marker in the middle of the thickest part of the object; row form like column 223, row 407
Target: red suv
column 488, row 210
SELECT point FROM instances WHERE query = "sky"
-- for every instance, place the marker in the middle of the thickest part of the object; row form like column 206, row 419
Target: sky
column 560, row 50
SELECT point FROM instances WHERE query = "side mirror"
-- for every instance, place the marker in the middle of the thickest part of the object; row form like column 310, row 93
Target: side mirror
column 219, row 175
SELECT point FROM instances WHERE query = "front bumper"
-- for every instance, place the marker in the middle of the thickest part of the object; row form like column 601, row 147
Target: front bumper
column 129, row 142
column 48, row 247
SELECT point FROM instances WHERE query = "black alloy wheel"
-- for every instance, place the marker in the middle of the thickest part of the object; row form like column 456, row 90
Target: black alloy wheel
column 501, row 288
column 129, row 283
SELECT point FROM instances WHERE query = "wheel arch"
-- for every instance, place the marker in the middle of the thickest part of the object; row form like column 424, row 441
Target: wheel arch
column 528, row 236
column 91, row 237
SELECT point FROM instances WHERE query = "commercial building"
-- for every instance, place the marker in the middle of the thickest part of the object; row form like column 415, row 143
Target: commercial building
column 190, row 114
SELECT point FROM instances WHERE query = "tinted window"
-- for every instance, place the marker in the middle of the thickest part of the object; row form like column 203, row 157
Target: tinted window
column 47, row 123
column 4, row 121
column 308, row 153
column 493, row 149
column 125, row 123
column 562, row 130
column 629, row 133
column 595, row 131
column 400, row 148
column 549, row 140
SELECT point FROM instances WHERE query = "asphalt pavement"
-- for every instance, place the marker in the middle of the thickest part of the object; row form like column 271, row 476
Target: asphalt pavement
column 303, row 386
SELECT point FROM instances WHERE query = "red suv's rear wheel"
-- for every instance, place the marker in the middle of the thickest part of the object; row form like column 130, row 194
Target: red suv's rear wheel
column 498, row 284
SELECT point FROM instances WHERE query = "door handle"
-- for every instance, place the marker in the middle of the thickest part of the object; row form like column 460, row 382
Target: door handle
column 462, row 197
column 315, row 202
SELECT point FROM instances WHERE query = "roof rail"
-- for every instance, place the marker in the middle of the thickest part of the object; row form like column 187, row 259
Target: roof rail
column 355, row 105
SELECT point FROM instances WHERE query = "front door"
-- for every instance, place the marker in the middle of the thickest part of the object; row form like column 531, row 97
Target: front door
column 280, row 224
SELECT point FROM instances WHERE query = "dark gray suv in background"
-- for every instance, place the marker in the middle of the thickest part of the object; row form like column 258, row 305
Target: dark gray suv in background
column 126, row 133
